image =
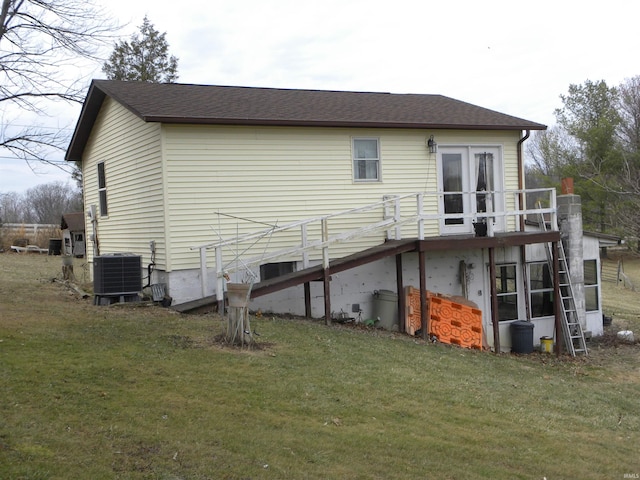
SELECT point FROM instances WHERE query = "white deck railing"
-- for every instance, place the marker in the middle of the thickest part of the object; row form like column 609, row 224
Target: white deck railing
column 391, row 215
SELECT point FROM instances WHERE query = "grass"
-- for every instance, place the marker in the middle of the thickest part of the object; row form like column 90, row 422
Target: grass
column 140, row 392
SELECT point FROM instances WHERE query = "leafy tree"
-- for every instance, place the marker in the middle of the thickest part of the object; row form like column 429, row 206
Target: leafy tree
column 597, row 142
column 38, row 38
column 590, row 116
column 145, row 58
column 584, row 145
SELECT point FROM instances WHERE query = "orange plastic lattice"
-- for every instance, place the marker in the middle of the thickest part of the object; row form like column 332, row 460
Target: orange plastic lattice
column 412, row 321
column 450, row 321
column 455, row 323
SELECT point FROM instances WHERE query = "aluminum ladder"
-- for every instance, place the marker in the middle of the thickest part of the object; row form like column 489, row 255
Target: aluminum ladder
column 571, row 328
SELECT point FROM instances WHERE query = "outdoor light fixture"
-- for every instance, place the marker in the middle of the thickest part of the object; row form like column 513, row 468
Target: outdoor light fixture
column 433, row 146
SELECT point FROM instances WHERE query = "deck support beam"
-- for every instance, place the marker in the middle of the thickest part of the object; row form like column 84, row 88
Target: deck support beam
column 327, row 297
column 400, row 288
column 495, row 319
column 424, row 324
column 307, row 300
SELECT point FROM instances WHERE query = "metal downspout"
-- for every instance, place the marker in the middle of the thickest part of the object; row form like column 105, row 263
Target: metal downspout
column 521, row 175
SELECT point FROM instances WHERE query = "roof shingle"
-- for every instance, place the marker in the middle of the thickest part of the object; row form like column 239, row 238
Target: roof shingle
column 207, row 104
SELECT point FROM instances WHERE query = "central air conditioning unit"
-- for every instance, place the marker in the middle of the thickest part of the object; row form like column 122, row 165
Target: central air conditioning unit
column 117, row 274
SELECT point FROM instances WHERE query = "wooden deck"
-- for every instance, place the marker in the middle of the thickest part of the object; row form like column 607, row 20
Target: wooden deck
column 387, row 249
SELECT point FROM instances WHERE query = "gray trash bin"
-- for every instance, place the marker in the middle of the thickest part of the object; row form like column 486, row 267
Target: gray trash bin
column 385, row 307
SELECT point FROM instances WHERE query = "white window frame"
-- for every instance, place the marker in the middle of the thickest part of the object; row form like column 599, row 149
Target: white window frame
column 102, row 190
column 544, row 290
column 355, row 160
column 592, row 286
column 515, row 293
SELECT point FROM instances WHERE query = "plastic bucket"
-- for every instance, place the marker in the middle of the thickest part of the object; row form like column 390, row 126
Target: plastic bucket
column 238, row 294
column 626, row 336
column 546, row 344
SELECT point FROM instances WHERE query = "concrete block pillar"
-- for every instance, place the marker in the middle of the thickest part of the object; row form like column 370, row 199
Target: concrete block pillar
column 570, row 220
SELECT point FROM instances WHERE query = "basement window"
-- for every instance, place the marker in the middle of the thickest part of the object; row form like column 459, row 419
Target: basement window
column 102, row 190
column 273, row 270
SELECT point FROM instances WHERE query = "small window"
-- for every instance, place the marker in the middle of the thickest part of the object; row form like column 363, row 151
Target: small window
column 591, row 285
column 507, row 292
column 273, row 270
column 366, row 159
column 102, row 190
column 540, row 290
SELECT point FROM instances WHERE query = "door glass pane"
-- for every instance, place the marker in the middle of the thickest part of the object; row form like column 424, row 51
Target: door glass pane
column 452, row 186
column 484, row 181
column 507, row 292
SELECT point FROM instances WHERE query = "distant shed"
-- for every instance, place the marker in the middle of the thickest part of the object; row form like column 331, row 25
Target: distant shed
column 73, row 234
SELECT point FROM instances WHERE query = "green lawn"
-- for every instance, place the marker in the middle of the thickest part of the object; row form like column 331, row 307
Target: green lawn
column 144, row 393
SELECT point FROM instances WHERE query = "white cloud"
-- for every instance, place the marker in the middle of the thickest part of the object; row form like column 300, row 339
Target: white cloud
column 512, row 57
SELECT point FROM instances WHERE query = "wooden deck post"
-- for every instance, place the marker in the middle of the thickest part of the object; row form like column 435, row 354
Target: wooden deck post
column 307, row 300
column 495, row 319
column 424, row 320
column 327, row 297
column 400, row 289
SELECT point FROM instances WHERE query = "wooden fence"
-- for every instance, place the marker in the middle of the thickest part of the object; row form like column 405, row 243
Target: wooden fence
column 614, row 272
column 23, row 234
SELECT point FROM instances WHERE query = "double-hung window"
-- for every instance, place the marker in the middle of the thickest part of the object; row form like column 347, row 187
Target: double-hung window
column 102, row 190
column 591, row 294
column 366, row 159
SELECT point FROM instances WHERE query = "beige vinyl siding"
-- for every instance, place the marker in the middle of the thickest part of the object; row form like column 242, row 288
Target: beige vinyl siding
column 268, row 175
column 277, row 175
column 131, row 152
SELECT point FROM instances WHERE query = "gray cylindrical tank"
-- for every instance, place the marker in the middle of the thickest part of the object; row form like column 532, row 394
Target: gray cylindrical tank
column 385, row 307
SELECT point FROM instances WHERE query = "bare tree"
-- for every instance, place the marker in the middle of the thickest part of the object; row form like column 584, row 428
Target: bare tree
column 11, row 208
column 551, row 150
column 629, row 110
column 47, row 202
column 38, row 39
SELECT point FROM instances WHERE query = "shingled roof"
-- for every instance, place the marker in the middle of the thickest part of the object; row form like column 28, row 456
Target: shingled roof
column 72, row 221
column 220, row 105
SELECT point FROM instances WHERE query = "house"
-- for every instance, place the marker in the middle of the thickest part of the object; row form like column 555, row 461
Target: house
column 73, row 241
column 322, row 198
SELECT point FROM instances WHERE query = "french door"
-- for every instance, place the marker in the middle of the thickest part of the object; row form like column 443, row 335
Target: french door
column 471, row 184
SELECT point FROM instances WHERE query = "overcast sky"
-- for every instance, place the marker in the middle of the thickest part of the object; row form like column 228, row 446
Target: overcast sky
column 513, row 57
